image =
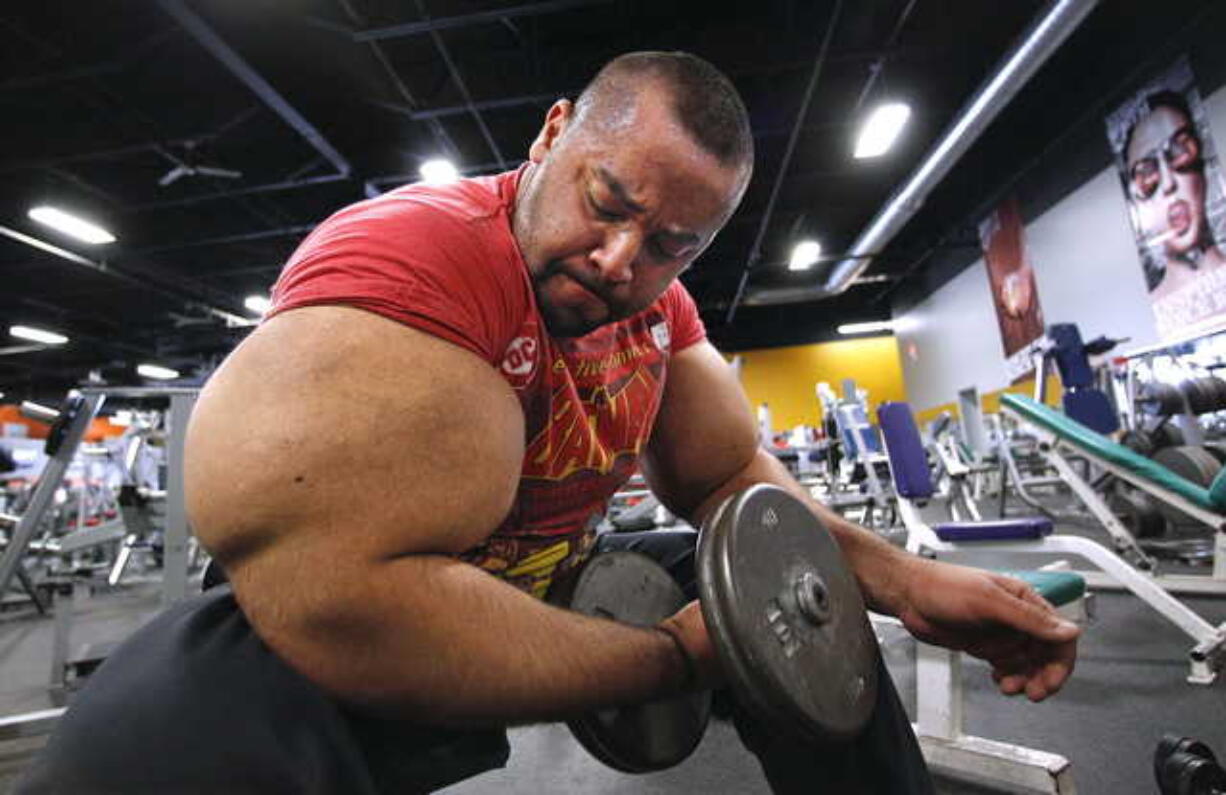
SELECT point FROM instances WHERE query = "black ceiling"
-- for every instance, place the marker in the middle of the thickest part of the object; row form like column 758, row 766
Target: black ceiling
column 100, row 99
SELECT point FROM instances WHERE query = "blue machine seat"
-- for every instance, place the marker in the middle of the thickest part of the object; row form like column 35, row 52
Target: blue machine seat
column 1028, row 529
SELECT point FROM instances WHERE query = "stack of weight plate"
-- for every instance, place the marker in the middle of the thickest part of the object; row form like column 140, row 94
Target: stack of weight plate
column 1159, row 399
column 1204, row 395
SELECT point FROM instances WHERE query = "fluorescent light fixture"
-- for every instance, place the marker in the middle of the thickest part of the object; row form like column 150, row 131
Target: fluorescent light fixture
column 71, row 225
column 881, row 129
column 805, row 255
column 438, row 172
column 156, row 371
column 37, row 335
column 257, row 303
column 866, row 328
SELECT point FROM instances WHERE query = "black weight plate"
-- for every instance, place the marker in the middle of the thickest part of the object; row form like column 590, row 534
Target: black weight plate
column 1217, row 449
column 1166, row 435
column 632, row 588
column 1139, row 442
column 1219, row 391
column 1189, row 462
column 1139, row 513
column 1199, row 404
column 1195, row 775
column 786, row 616
column 1192, row 394
column 1208, row 395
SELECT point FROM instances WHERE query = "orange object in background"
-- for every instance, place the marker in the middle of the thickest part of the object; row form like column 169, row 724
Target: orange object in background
column 99, row 428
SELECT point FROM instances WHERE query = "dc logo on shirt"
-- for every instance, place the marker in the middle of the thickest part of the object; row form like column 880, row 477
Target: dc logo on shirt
column 659, row 333
column 520, row 359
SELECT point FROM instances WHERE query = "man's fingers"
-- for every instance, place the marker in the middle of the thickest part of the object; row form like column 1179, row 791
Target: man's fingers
column 1030, row 613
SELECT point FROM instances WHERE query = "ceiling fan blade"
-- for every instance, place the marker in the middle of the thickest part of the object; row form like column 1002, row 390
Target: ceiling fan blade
column 173, row 175
column 213, row 171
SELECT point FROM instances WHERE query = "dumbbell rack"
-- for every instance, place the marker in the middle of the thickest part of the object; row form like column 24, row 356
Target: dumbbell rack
column 68, row 427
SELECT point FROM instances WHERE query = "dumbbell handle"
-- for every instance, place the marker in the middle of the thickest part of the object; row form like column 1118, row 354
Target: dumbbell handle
column 38, row 413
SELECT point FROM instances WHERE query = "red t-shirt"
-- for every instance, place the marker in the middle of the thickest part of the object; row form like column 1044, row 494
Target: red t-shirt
column 443, row 259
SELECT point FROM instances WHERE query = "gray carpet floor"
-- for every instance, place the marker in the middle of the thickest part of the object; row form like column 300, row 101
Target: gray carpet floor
column 1128, row 689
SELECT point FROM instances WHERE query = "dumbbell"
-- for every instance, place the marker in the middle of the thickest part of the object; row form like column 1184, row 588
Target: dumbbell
column 1185, row 766
column 786, row 618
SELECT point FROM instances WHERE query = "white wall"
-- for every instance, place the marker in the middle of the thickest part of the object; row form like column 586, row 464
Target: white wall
column 1087, row 270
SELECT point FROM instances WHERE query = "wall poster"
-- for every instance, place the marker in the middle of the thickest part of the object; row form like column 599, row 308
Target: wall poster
column 1173, row 185
column 1013, row 287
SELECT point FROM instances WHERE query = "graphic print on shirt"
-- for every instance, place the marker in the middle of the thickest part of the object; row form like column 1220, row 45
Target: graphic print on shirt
column 589, row 406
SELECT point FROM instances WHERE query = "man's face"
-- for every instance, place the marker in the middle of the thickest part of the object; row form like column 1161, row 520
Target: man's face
column 1167, row 180
column 617, row 205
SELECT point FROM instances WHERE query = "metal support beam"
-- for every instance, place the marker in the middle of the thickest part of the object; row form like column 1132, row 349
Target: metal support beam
column 101, row 267
column 484, row 104
column 285, row 231
column 217, row 47
column 176, row 553
column 755, row 252
column 476, row 18
column 1049, row 30
column 271, row 187
column 462, row 87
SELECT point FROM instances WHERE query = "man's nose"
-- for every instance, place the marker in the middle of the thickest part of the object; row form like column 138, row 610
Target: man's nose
column 1167, row 184
column 616, row 255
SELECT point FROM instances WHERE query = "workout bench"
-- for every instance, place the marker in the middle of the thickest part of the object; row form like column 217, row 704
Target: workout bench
column 939, row 671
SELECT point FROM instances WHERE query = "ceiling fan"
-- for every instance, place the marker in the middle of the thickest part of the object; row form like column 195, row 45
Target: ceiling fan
column 190, row 166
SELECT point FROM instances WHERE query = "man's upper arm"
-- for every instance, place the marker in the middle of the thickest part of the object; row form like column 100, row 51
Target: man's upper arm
column 332, row 434
column 704, row 433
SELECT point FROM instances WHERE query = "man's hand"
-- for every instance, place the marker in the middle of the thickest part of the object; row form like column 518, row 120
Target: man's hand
column 1031, row 648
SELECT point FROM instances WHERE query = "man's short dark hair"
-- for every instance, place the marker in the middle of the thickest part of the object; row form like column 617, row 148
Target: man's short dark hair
column 703, row 99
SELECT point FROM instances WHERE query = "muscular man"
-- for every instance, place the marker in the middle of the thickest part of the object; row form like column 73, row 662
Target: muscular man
column 394, row 467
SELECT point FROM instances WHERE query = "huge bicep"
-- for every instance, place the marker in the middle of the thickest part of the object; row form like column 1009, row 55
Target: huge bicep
column 704, row 432
column 334, row 427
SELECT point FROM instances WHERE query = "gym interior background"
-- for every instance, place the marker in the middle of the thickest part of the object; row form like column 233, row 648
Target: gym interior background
column 208, row 137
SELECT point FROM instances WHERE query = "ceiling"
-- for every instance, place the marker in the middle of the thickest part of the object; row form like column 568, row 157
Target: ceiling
column 319, row 103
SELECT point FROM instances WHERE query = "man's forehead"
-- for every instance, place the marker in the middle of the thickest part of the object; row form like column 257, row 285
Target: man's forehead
column 683, row 200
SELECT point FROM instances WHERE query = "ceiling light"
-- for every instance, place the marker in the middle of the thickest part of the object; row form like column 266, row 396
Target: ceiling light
column 37, row 335
column 881, row 129
column 805, row 255
column 71, row 225
column 438, row 172
column 156, row 371
column 257, row 303
column 866, row 328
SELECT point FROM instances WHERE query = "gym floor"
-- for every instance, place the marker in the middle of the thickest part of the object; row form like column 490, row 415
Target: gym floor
column 1127, row 691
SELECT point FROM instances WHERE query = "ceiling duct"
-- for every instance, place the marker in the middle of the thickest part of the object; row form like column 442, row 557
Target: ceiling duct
column 1044, row 36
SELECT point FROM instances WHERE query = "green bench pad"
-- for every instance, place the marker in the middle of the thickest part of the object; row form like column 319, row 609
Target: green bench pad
column 1057, row 587
column 1211, row 499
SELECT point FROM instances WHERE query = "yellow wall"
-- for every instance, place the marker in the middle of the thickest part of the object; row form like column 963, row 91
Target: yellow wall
column 990, row 402
column 786, row 378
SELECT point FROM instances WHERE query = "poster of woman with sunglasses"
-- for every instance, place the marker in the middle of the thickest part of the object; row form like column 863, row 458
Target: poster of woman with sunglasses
column 1176, row 201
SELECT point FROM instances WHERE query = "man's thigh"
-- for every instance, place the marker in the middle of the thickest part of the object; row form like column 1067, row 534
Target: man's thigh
column 196, row 702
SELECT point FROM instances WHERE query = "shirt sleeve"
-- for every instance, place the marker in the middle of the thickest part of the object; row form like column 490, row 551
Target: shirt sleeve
column 685, row 326
column 422, row 265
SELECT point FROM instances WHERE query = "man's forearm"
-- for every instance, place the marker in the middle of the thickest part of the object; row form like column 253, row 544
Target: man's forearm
column 877, row 564
column 433, row 640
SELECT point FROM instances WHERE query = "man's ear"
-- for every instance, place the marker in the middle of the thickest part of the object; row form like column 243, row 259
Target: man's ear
column 556, row 121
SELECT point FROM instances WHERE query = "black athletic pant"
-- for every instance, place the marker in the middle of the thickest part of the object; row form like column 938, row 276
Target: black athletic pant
column 194, row 702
